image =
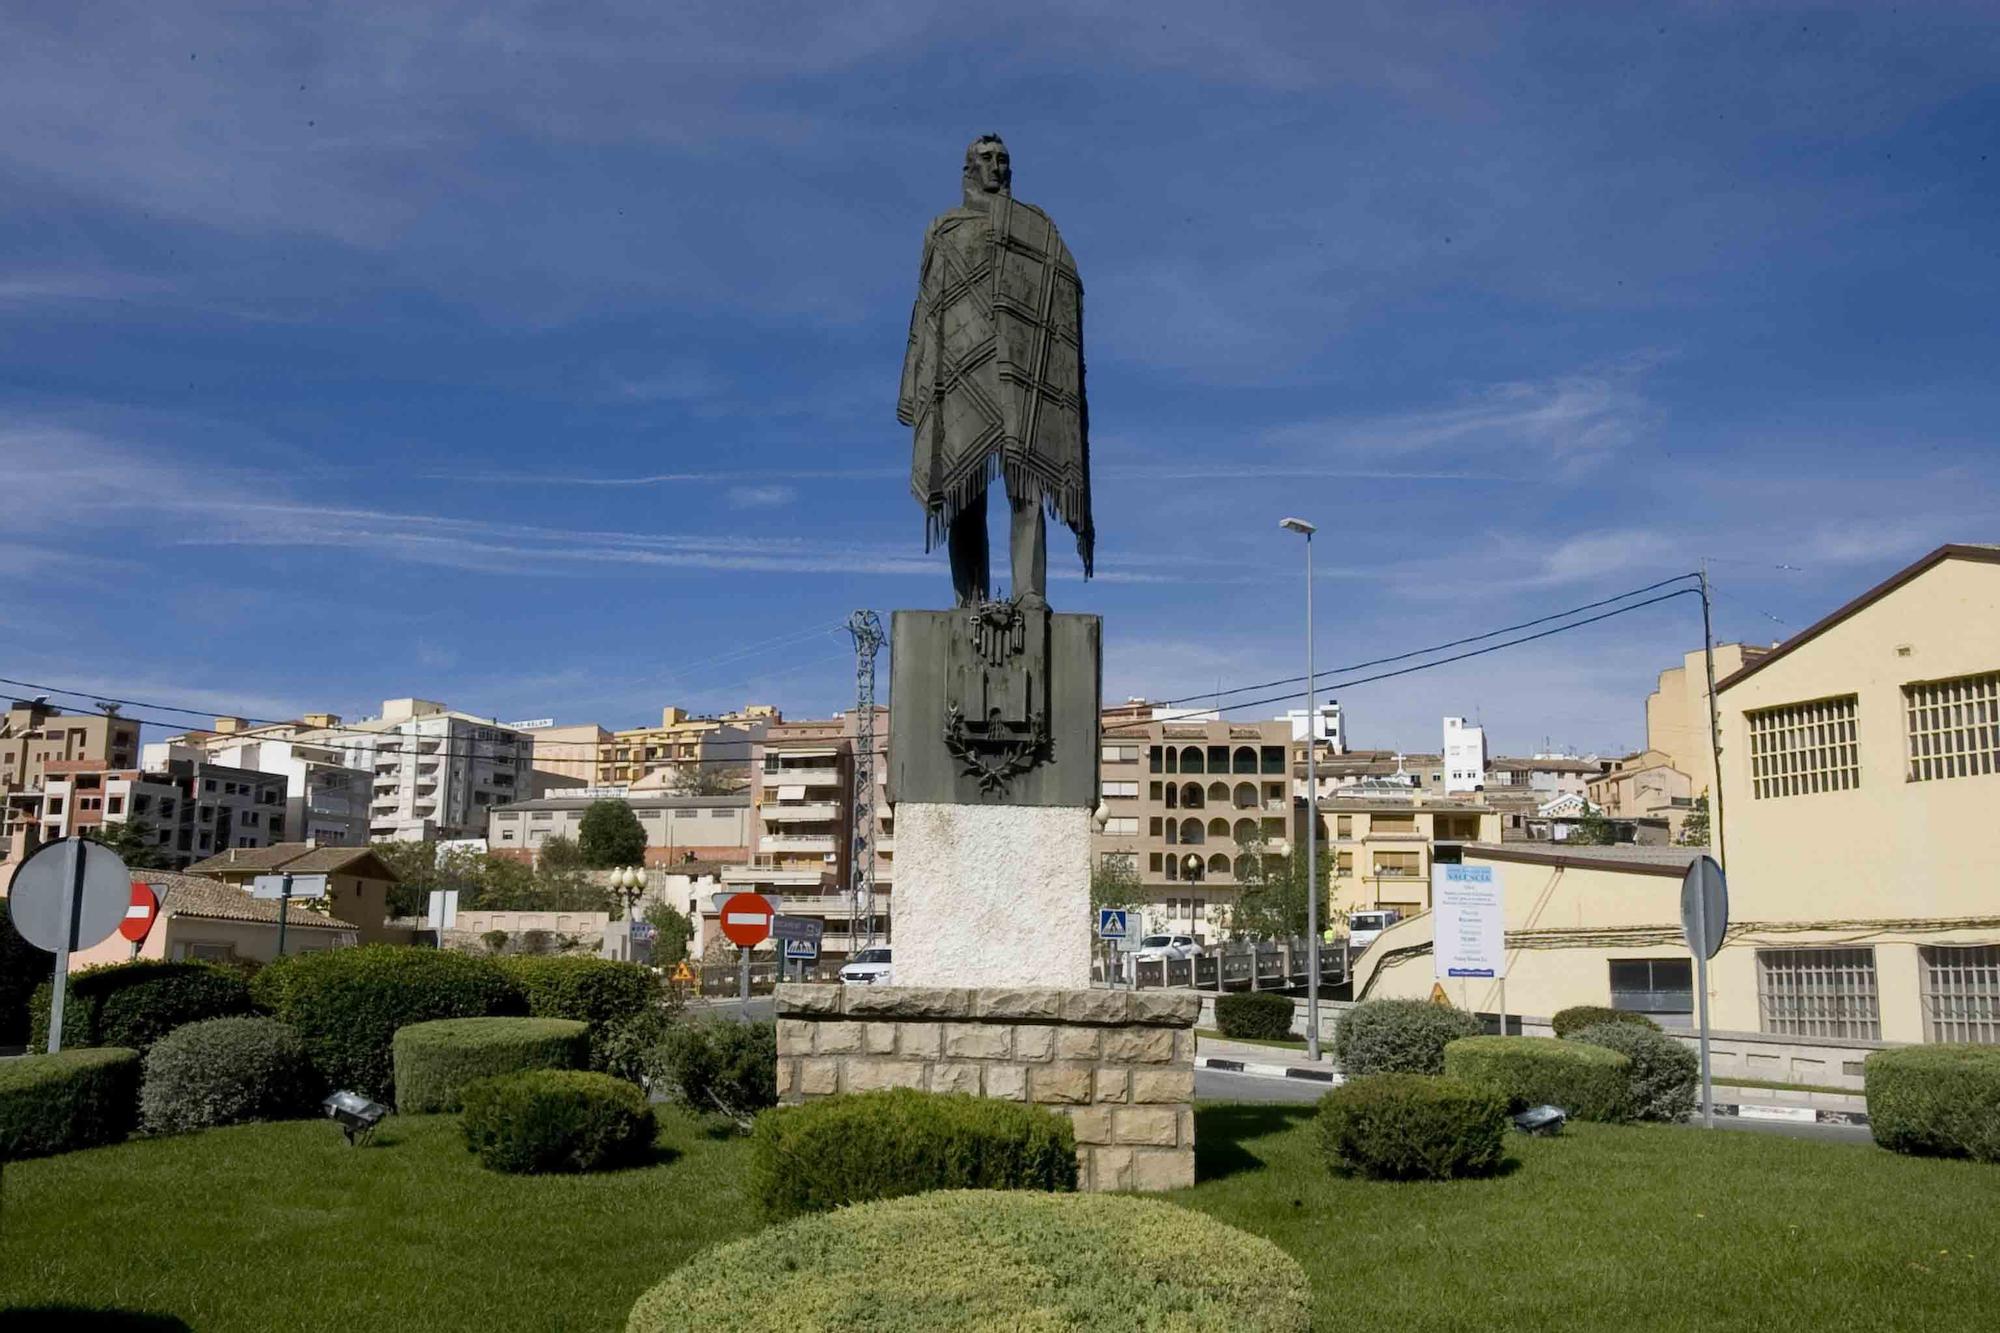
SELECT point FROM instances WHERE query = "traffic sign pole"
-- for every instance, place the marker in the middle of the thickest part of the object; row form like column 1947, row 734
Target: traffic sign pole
column 72, row 913
column 1701, row 1001
column 284, row 910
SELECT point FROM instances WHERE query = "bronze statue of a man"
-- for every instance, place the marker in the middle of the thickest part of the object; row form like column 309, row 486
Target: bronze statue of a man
column 993, row 381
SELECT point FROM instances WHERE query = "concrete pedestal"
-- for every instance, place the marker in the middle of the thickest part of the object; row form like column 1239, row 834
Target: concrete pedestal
column 992, row 895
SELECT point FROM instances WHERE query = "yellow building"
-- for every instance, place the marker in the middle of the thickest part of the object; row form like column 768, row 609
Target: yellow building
column 1860, row 775
column 1677, row 766
column 721, row 744
column 1382, row 850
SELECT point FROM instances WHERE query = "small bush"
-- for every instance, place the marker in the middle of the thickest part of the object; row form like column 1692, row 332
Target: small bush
column 1087, row 1263
column 135, row 1004
column 1399, row 1037
column 1666, row 1075
column 74, row 1099
column 631, row 1048
column 1939, row 1100
column 1264, row 1016
column 22, row 968
column 882, row 1145
column 223, row 1071
column 556, row 1120
column 1589, row 1082
column 435, row 1060
column 1411, row 1127
column 348, row 1003
column 598, row 991
column 1568, row 1022
column 720, row 1066
column 495, row 940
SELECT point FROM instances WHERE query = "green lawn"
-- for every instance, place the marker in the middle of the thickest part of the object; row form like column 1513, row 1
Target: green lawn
column 284, row 1227
column 1286, row 1043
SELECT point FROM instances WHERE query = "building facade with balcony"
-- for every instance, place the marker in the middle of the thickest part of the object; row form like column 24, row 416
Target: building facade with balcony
column 1187, row 805
column 802, row 828
column 325, row 800
column 35, row 734
column 189, row 808
column 1380, row 852
column 436, row 773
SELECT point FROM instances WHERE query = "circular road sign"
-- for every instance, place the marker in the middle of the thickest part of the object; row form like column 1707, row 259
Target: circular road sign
column 139, row 916
column 746, row 920
column 41, row 888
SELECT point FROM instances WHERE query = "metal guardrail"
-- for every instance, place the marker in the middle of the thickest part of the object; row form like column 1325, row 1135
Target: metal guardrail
column 1266, row 966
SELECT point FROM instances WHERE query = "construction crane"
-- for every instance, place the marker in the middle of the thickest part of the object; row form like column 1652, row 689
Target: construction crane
column 866, row 627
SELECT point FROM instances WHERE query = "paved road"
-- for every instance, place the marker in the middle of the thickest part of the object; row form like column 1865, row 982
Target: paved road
column 761, row 1009
column 1222, row 1086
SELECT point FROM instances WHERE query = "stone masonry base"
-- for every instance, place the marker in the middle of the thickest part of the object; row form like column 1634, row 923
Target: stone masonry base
column 1120, row 1064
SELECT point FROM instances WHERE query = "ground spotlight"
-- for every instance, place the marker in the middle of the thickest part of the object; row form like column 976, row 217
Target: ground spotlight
column 355, row 1114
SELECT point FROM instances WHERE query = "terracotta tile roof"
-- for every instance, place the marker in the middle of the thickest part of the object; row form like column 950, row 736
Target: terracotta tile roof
column 296, row 857
column 211, row 899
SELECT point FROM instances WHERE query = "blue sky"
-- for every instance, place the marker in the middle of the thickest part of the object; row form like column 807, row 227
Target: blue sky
column 542, row 358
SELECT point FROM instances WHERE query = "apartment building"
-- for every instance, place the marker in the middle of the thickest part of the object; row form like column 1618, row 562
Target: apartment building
column 1187, row 805
column 678, row 828
column 682, row 740
column 1660, row 783
column 1860, row 772
column 436, row 773
column 325, row 800
column 802, row 826
column 570, row 752
column 1464, row 756
column 1382, row 849
column 190, row 808
column 32, row 735
column 1329, row 728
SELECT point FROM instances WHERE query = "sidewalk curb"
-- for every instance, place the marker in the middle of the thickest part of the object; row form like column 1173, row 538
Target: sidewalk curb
column 1227, row 1066
column 1804, row 1115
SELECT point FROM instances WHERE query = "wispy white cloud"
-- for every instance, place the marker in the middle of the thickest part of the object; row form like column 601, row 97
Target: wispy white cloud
column 760, row 497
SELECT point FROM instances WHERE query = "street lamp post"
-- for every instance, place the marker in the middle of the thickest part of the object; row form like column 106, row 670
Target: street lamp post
column 1306, row 530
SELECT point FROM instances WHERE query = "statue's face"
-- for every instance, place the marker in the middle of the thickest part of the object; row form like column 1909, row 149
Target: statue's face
column 987, row 167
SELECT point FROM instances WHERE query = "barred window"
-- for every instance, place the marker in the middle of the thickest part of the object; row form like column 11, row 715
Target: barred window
column 1818, row 993
column 1954, row 727
column 1961, row 993
column 1802, row 749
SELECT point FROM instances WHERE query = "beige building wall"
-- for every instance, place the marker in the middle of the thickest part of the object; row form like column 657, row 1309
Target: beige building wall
column 570, row 752
column 1677, row 712
column 1382, row 851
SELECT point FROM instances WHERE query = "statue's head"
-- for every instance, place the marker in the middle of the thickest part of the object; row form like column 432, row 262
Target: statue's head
column 987, row 168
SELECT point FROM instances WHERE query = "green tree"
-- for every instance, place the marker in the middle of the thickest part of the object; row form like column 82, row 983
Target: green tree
column 560, row 853
column 1592, row 830
column 133, row 841
column 1114, row 882
column 700, row 779
column 1272, row 902
column 610, row 835
column 675, row 930
column 496, row 940
column 1694, row 831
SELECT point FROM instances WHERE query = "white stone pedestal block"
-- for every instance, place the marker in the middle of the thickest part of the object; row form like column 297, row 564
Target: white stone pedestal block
column 992, row 895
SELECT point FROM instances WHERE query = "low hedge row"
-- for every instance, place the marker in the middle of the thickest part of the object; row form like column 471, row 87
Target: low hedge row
column 1665, row 1074
column 1568, row 1022
column 434, row 1061
column 556, row 1120
column 1089, row 1263
column 1399, row 1037
column 718, row 1066
column 224, row 1071
column 1258, row 1015
column 1941, row 1100
column 76, row 1098
column 348, row 1003
column 135, row 1004
column 1589, row 1082
column 880, row 1145
column 1411, row 1127
column 602, row 992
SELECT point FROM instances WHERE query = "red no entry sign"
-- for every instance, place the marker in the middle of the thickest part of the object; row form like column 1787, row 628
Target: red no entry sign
column 139, row 916
column 746, row 920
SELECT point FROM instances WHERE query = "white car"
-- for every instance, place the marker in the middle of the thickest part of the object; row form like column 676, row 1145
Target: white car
column 870, row 967
column 1166, row 946
column 1363, row 927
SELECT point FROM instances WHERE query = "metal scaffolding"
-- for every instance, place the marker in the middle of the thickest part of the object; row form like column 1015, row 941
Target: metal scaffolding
column 866, row 627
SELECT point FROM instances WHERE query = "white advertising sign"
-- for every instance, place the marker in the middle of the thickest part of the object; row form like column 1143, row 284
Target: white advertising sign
column 1469, row 922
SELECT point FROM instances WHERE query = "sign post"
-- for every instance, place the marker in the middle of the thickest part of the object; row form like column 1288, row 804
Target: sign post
column 71, row 894
column 800, row 936
column 746, row 922
column 285, row 887
column 1704, row 921
column 1469, row 939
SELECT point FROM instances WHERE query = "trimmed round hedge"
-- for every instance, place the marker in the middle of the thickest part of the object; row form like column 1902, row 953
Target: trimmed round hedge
column 1568, row 1022
column 1084, row 1263
column 1399, row 1037
column 73, row 1099
column 829, row 1153
column 135, row 1004
column 348, row 1003
column 435, row 1060
column 1941, row 1100
column 597, row 991
column 1411, row 1127
column 1666, row 1075
column 1263, row 1016
column 719, row 1066
column 556, row 1120
column 224, row 1071
column 1589, row 1082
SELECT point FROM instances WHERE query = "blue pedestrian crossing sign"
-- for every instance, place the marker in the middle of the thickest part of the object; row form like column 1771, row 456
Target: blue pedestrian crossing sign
column 1111, row 923
column 796, row 949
